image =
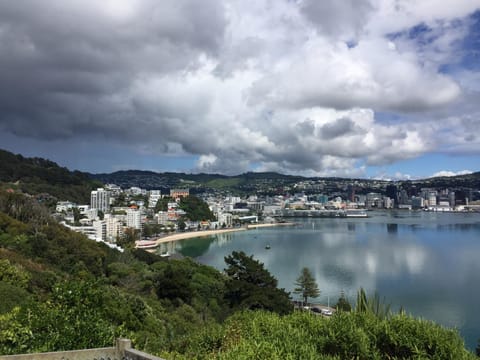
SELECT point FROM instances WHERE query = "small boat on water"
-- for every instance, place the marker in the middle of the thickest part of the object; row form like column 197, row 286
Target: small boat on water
column 267, row 246
column 356, row 213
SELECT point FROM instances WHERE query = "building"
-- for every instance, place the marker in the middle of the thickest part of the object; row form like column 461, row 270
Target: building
column 113, row 228
column 134, row 219
column 178, row 193
column 153, row 198
column 417, row 202
column 100, row 227
column 100, row 200
column 225, row 219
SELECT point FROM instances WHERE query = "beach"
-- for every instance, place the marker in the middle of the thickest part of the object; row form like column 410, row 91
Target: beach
column 194, row 234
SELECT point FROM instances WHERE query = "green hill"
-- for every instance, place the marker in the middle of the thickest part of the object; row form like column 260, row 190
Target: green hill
column 44, row 178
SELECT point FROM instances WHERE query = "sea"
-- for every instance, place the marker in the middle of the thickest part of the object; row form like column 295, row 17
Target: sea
column 427, row 263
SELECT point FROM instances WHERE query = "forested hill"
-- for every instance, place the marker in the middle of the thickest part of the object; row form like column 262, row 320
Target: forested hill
column 244, row 183
column 37, row 176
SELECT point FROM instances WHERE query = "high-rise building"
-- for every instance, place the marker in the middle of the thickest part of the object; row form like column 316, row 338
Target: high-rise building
column 155, row 195
column 100, row 199
column 134, row 218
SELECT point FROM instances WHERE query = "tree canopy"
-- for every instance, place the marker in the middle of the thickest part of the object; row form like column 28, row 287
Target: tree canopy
column 251, row 286
column 306, row 286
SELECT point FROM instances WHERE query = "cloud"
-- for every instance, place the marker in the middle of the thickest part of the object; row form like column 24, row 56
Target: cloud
column 451, row 173
column 291, row 86
column 339, row 19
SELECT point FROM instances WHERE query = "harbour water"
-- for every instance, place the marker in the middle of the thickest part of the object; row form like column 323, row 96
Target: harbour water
column 428, row 263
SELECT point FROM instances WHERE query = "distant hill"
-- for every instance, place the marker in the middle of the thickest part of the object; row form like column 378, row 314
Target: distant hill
column 44, row 178
column 38, row 176
column 468, row 181
column 243, row 183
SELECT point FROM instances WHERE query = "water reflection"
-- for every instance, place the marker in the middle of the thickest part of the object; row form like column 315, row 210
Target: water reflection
column 392, row 228
column 427, row 263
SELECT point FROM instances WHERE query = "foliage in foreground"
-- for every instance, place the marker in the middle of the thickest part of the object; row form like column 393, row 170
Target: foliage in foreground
column 302, row 335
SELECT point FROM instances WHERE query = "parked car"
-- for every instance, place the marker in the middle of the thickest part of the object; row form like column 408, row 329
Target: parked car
column 327, row 312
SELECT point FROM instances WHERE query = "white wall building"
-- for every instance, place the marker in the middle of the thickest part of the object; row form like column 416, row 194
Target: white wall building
column 114, row 228
column 225, row 218
column 100, row 199
column 155, row 195
column 134, row 219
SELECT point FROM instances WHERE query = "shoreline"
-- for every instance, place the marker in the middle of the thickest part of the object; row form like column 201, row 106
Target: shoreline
column 202, row 233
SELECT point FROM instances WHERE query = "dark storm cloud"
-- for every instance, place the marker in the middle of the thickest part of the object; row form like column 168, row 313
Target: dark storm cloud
column 67, row 67
column 340, row 127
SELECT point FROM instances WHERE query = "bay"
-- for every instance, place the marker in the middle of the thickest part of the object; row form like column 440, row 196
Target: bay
column 427, row 263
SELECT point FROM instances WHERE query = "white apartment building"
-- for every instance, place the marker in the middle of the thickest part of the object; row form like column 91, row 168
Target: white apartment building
column 100, row 227
column 155, row 195
column 225, row 218
column 114, row 228
column 100, row 199
column 134, row 218
column 162, row 217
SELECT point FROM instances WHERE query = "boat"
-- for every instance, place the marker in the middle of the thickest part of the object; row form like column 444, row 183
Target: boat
column 145, row 244
column 356, row 213
column 267, row 246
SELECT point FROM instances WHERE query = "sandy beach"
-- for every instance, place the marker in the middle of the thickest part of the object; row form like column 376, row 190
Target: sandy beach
column 194, row 234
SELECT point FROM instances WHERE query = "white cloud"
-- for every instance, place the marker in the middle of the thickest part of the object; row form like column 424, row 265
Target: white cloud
column 451, row 173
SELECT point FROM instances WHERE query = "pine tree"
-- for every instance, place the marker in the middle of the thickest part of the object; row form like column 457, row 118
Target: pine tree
column 306, row 285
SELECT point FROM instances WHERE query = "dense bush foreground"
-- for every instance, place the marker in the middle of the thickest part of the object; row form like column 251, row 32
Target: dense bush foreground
column 302, row 335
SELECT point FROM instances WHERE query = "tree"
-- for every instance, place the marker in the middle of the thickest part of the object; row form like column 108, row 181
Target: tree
column 129, row 237
column 251, row 286
column 342, row 303
column 196, row 209
column 306, row 285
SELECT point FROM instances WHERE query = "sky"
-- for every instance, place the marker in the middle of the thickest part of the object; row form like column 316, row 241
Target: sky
column 354, row 88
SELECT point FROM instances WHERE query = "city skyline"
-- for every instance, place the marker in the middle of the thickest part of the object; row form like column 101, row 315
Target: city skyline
column 365, row 89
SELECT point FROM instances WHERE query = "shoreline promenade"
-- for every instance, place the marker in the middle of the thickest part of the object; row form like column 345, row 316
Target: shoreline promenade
column 201, row 233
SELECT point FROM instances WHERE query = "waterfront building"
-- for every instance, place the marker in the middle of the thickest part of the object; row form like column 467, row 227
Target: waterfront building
column 417, row 202
column 225, row 219
column 388, row 203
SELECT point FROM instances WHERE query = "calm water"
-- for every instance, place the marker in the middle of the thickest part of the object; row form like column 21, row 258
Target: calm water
column 426, row 262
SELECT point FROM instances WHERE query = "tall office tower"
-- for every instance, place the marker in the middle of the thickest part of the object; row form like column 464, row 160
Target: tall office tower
column 100, row 199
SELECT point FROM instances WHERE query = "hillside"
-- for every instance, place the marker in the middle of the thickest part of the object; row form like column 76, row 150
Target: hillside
column 48, row 180
column 44, row 178
column 244, row 183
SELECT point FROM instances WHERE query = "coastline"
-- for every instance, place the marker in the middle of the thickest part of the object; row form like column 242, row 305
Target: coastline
column 194, row 234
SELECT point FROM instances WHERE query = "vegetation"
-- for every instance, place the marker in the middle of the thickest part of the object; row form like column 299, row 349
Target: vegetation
column 251, row 286
column 301, row 335
column 196, row 209
column 306, row 286
column 45, row 179
column 343, row 304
